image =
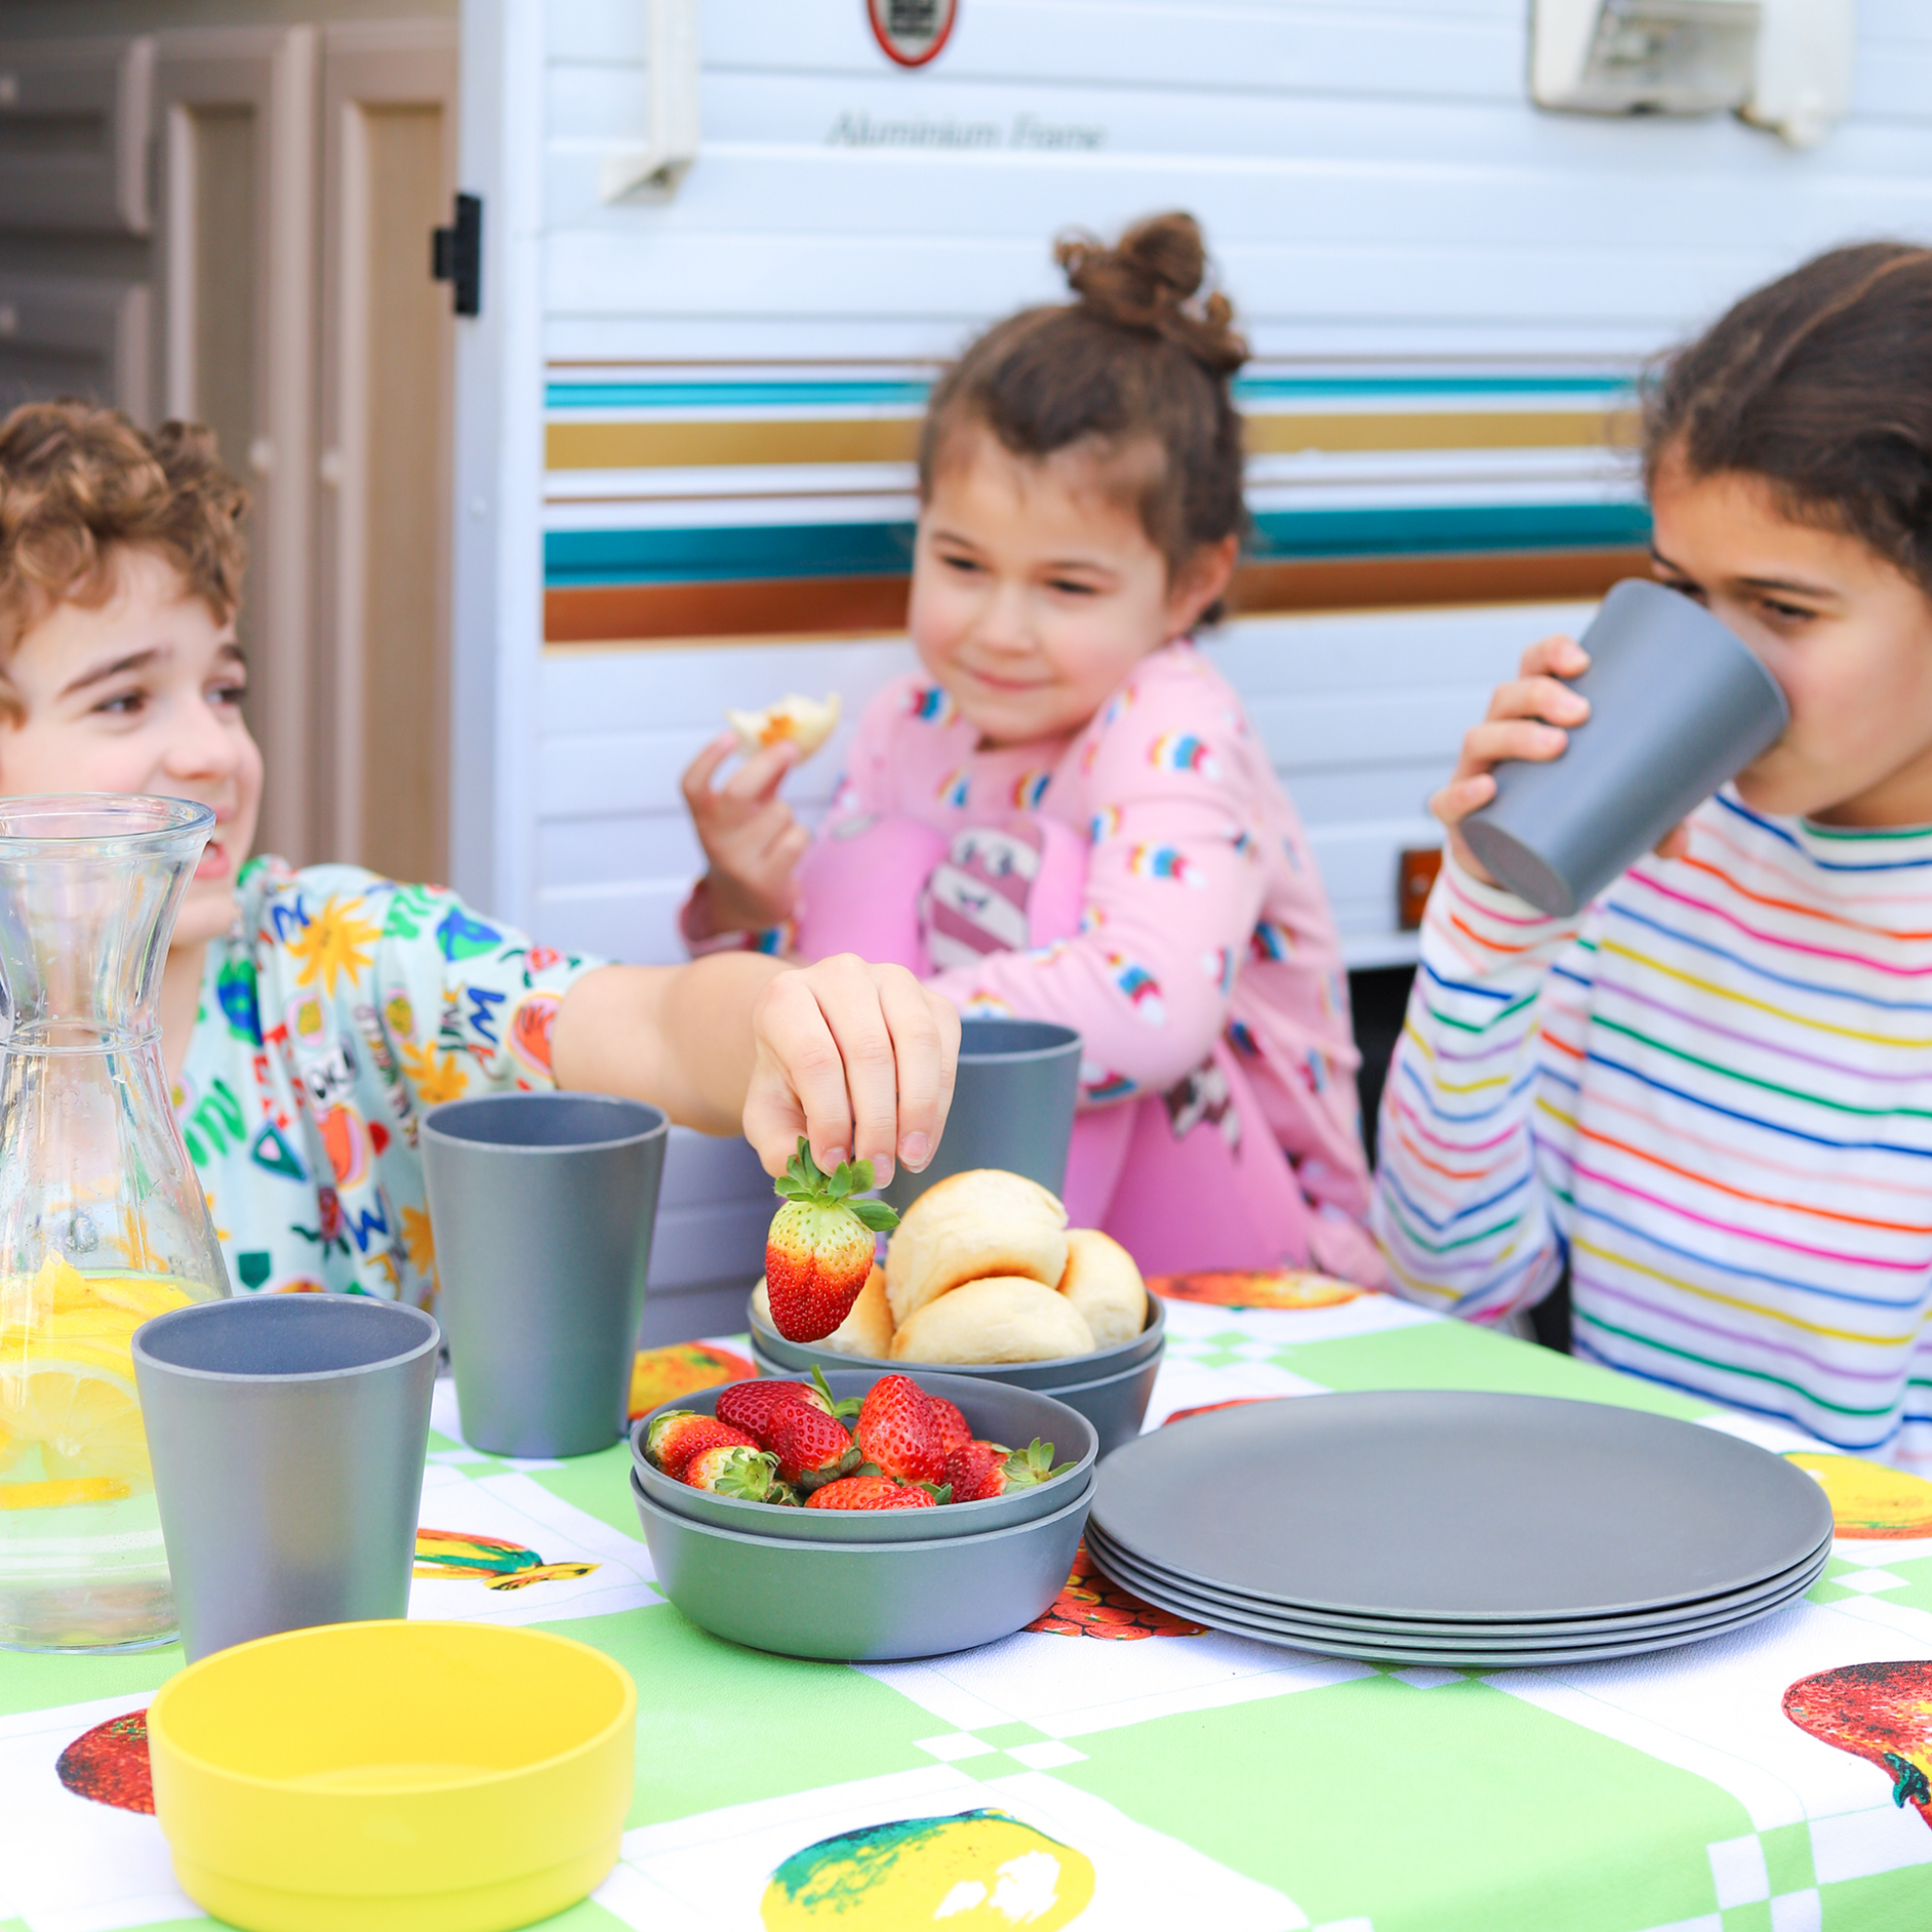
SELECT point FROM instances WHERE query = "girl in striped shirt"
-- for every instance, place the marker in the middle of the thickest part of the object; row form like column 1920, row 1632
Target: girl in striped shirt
column 1713, row 1096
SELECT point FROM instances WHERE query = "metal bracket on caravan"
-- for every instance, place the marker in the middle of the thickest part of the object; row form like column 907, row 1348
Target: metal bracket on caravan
column 653, row 172
column 1785, row 64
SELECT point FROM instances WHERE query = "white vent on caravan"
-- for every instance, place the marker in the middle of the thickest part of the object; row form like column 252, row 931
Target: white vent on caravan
column 653, row 171
column 1782, row 63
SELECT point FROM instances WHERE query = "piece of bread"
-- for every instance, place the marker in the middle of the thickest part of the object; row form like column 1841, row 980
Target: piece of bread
column 1003, row 1318
column 867, row 1330
column 1102, row 1282
column 982, row 1222
column 805, row 721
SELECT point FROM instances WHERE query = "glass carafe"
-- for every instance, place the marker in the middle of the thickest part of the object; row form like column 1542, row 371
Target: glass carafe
column 103, row 1218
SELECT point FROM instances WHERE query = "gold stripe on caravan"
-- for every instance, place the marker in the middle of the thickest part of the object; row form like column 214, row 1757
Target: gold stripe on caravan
column 895, row 439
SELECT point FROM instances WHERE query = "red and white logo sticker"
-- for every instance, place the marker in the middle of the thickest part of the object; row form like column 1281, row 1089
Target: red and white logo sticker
column 912, row 31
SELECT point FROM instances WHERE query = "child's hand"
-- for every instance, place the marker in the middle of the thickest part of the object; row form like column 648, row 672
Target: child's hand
column 749, row 837
column 1527, row 720
column 858, row 1058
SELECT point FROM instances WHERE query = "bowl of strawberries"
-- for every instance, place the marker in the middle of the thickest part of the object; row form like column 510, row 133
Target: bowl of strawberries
column 857, row 1515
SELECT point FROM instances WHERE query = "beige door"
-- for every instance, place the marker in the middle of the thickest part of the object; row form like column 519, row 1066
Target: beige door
column 388, row 146
column 235, row 255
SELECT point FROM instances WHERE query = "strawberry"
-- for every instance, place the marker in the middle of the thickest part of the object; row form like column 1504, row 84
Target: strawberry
column 819, row 1251
column 872, row 1493
column 811, row 1447
column 751, row 1406
column 897, row 1431
column 955, row 1432
column 731, row 1470
column 982, row 1470
column 678, row 1434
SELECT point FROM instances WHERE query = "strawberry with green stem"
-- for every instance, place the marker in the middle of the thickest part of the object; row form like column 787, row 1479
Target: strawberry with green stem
column 819, row 1251
column 754, row 1406
column 813, row 1448
column 874, row 1491
column 982, row 1470
column 679, row 1434
column 731, row 1470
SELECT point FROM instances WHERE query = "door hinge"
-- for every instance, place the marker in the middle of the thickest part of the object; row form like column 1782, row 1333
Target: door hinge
column 456, row 254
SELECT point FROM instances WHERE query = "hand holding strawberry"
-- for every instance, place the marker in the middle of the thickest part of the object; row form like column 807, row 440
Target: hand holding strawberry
column 819, row 1251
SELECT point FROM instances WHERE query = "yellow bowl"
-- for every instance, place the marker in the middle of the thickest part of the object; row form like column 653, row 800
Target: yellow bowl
column 429, row 1777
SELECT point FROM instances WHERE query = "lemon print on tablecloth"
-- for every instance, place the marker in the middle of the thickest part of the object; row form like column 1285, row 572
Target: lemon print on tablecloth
column 1868, row 1499
column 976, row 1871
column 69, row 1419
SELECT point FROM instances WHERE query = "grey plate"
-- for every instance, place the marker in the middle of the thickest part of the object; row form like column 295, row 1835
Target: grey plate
column 1452, row 1507
column 861, row 1602
column 792, row 1357
column 1478, row 1652
column 1569, row 1629
column 1443, row 1642
column 1115, row 1405
column 1015, row 1416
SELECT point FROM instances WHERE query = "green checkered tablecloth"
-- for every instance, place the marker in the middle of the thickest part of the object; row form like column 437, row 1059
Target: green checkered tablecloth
column 1155, row 1775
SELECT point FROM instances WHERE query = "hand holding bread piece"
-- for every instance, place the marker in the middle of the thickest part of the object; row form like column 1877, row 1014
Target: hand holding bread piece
column 1003, row 1318
column 1102, row 1282
column 969, row 1226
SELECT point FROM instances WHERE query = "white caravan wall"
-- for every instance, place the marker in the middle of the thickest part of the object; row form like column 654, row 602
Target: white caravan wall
column 1374, row 185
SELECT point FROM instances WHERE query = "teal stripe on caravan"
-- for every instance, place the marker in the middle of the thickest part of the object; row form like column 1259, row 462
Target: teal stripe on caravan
column 1610, row 391
column 584, row 557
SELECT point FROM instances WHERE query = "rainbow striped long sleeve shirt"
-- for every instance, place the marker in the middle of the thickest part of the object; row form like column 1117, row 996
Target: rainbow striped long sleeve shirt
column 1714, row 1099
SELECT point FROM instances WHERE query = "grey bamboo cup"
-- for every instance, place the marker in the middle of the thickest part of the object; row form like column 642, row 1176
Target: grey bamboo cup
column 542, row 1204
column 1678, row 706
column 287, row 1434
column 1012, row 1106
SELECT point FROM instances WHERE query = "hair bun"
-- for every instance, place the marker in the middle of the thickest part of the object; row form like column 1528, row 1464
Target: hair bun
column 1150, row 281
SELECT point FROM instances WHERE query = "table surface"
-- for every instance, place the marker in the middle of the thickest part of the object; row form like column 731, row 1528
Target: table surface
column 1203, row 1780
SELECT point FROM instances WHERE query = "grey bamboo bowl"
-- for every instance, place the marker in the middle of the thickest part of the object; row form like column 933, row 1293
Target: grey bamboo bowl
column 861, row 1603
column 1116, row 1404
column 797, row 1357
column 997, row 1413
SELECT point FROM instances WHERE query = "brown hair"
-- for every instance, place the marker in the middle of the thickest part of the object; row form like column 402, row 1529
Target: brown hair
column 1821, row 384
column 1140, row 359
column 78, row 483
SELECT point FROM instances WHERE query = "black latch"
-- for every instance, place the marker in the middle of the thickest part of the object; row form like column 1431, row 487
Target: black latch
column 456, row 254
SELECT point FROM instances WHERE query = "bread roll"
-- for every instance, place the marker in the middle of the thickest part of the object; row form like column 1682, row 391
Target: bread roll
column 1102, row 1282
column 805, row 721
column 1005, row 1319
column 982, row 1222
column 867, row 1330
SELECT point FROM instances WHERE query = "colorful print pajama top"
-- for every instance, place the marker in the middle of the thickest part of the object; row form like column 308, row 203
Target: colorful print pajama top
column 341, row 1009
column 1147, row 883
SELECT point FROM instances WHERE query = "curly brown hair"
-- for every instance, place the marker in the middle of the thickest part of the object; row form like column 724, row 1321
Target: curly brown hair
column 80, row 483
column 1141, row 358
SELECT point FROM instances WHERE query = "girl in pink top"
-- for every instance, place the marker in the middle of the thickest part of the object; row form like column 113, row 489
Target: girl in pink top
column 1068, row 817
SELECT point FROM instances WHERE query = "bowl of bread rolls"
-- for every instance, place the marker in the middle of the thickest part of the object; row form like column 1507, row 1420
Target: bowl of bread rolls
column 984, row 1277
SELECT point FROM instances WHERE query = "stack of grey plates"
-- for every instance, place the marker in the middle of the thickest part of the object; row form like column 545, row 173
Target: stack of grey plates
column 1420, row 1527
